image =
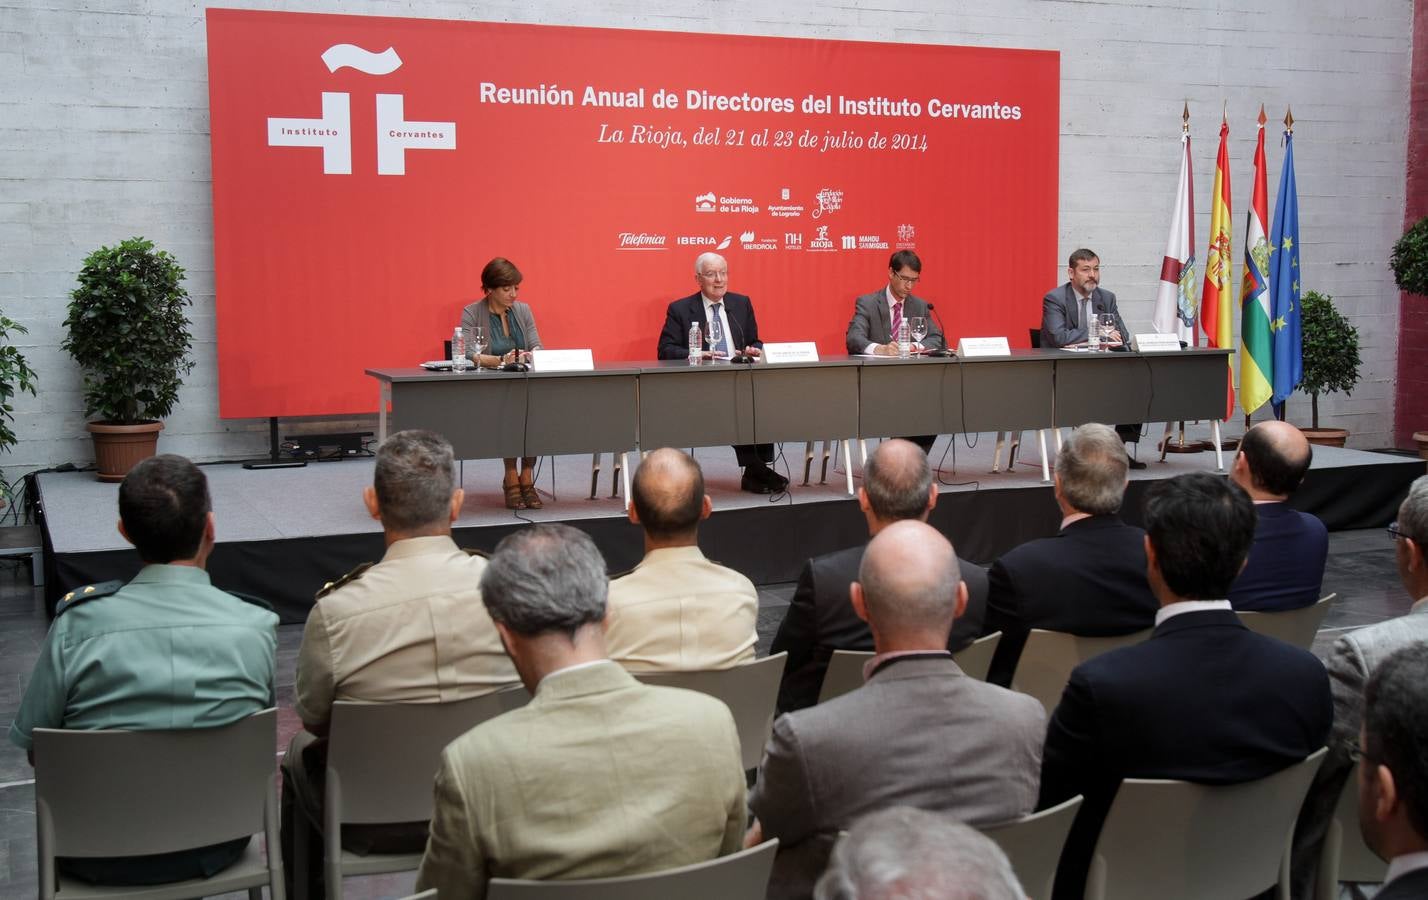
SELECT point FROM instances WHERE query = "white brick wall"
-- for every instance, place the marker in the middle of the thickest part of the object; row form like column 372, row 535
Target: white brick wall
column 104, row 134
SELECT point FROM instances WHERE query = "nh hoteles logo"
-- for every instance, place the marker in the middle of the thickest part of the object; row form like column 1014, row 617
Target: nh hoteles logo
column 333, row 131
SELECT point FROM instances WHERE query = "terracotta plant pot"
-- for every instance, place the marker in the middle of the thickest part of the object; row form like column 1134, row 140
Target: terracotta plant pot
column 1326, row 437
column 119, row 448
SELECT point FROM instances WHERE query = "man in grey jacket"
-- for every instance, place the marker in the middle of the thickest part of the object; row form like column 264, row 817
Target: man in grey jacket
column 918, row 733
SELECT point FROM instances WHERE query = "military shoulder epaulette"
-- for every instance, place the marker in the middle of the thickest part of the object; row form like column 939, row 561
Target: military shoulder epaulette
column 253, row 599
column 85, row 594
column 345, row 579
column 472, row 551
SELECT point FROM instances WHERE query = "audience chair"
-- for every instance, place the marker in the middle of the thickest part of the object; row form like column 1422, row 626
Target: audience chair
column 381, row 760
column 1294, row 626
column 135, row 793
column 750, row 691
column 738, row 876
column 1033, row 844
column 845, row 667
column 1049, row 656
column 1345, row 856
column 1173, row 839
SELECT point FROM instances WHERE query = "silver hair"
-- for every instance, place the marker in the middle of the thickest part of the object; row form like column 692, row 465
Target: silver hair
column 898, row 480
column 545, row 578
column 1093, row 466
column 414, row 480
column 904, row 853
column 1413, row 514
column 707, row 255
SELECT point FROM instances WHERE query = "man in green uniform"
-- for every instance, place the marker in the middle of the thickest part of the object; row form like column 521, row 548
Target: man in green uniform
column 166, row 651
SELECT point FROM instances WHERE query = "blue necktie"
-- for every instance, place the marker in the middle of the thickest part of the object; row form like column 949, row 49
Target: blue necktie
column 723, row 332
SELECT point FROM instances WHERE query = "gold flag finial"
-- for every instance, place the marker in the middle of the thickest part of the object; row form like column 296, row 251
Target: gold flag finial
column 1262, row 119
column 1288, row 120
column 1185, row 118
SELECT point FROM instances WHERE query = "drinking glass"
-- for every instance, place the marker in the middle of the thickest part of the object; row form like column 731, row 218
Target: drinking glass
column 478, row 343
column 716, row 335
column 1105, row 327
column 917, row 327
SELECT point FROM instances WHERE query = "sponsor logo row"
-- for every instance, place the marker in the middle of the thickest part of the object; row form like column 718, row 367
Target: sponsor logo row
column 825, row 201
column 819, row 241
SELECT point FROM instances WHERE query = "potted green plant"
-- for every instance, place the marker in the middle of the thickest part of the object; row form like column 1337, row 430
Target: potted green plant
column 1331, row 360
column 1410, row 272
column 129, row 332
column 15, row 375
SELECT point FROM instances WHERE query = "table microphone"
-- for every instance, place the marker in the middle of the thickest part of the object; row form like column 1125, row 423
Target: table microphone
column 740, row 357
column 944, row 352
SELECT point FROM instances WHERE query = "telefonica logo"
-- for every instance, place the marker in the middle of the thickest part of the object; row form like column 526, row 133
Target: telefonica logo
column 332, row 133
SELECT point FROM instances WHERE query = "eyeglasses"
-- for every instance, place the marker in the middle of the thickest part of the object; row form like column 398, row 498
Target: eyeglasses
column 1397, row 533
column 906, row 280
column 713, row 276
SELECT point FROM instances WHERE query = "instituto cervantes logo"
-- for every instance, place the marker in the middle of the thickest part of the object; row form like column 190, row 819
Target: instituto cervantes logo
column 332, row 133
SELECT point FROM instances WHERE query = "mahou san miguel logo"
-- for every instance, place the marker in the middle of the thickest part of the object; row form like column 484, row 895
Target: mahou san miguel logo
column 333, row 132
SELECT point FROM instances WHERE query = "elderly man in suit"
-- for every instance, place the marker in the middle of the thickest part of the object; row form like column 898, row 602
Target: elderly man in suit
column 598, row 775
column 897, row 485
column 1204, row 699
column 1285, row 569
column 877, row 317
column 1068, row 314
column 1090, row 578
column 1393, row 778
column 740, row 340
column 1354, row 657
column 919, row 732
column 678, row 609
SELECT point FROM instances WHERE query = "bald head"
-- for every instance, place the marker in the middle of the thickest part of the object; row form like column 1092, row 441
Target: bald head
column 1273, row 458
column 668, row 495
column 897, row 482
column 910, row 585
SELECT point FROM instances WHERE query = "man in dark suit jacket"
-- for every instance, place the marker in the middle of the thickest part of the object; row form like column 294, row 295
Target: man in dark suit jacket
column 1090, row 578
column 877, row 316
column 1285, row 569
column 918, row 733
column 740, row 338
column 1393, row 783
column 1067, row 313
column 897, row 485
column 1204, row 700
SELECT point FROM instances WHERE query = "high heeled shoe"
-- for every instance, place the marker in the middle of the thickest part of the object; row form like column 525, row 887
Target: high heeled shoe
column 515, row 496
column 531, row 497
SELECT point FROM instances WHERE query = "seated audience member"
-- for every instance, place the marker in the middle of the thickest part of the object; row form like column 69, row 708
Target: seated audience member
column 1393, row 774
column 677, row 609
column 167, row 650
column 1090, row 578
column 598, row 775
column 897, row 486
column 1204, row 699
column 918, row 733
column 908, row 854
column 409, row 629
column 1286, row 562
column 1354, row 657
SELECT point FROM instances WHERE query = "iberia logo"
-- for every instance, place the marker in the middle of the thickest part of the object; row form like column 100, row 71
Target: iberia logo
column 332, row 133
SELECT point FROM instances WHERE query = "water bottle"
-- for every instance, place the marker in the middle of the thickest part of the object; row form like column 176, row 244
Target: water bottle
column 904, row 340
column 458, row 350
column 696, row 344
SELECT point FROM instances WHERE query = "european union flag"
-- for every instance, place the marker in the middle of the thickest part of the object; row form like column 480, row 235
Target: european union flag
column 1284, row 285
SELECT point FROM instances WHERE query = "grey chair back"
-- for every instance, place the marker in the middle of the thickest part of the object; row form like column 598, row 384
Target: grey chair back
column 1033, row 844
column 738, row 876
column 1294, row 626
column 135, row 793
column 1174, row 840
column 1345, row 856
column 845, row 667
column 750, row 691
column 1049, row 656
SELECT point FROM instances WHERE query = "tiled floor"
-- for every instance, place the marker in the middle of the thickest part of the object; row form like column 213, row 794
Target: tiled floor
column 1361, row 569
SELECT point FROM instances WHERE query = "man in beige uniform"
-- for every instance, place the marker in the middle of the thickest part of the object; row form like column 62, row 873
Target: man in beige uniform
column 676, row 609
column 599, row 775
column 409, row 629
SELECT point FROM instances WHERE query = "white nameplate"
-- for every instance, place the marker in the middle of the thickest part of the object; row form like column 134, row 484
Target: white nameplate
column 983, row 346
column 1156, row 343
column 792, row 351
column 562, row 360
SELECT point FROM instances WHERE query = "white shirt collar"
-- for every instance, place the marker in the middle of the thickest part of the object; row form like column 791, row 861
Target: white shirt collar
column 574, row 668
column 892, row 300
column 1188, row 606
column 1402, row 865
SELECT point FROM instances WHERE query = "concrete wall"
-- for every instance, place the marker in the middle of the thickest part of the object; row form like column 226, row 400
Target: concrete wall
column 104, row 134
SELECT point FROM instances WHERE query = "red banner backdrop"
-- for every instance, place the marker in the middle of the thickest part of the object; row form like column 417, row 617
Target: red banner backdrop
column 365, row 169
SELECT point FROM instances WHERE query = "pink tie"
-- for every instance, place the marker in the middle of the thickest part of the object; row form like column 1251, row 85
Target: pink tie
column 896, row 322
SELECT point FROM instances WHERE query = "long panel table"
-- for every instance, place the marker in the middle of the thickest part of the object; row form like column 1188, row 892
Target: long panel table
column 623, row 406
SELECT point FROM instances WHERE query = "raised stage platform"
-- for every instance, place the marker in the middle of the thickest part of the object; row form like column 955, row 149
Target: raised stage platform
column 283, row 533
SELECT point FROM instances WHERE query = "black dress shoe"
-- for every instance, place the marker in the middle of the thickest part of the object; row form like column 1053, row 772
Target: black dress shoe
column 1136, row 464
column 774, row 480
column 754, row 483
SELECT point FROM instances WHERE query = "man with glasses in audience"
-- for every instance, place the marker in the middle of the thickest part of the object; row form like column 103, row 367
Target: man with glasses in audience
column 878, row 316
column 1393, row 771
column 1354, row 657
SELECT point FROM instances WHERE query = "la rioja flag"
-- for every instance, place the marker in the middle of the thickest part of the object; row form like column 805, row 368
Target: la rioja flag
column 1175, row 306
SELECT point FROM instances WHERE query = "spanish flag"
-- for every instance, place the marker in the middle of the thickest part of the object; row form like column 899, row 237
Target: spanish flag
column 1216, row 309
column 1256, row 349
